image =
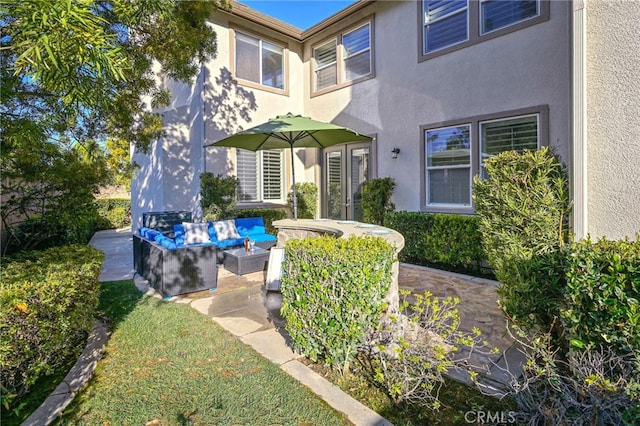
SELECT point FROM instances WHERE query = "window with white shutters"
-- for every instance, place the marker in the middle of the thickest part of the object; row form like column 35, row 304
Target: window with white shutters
column 260, row 174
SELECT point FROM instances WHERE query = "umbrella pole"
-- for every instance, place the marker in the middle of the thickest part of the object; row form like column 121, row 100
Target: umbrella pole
column 293, row 179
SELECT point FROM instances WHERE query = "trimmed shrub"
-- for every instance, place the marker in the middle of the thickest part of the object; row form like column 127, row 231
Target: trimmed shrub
column 376, row 199
column 602, row 296
column 48, row 301
column 446, row 241
column 307, row 197
column 218, row 195
column 113, row 213
column 413, row 226
column 57, row 227
column 269, row 216
column 454, row 242
column 333, row 292
column 524, row 210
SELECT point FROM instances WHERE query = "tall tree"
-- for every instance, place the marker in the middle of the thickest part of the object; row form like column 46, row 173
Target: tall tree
column 78, row 71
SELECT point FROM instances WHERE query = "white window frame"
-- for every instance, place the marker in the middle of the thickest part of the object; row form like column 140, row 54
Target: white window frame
column 540, row 112
column 448, row 167
column 260, row 58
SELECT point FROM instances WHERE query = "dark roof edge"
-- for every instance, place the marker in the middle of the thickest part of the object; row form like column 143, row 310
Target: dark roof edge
column 252, row 15
column 335, row 18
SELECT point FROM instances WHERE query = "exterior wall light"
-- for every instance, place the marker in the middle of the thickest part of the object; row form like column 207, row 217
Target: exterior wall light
column 394, row 152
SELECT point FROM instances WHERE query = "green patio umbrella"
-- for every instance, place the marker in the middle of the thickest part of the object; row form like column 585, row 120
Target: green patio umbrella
column 289, row 131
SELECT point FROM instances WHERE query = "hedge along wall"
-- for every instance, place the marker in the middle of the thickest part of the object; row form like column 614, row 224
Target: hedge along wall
column 445, row 241
column 333, row 291
column 602, row 295
column 113, row 213
column 48, row 302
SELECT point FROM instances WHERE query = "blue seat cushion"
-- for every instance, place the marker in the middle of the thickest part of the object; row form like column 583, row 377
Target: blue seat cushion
column 263, row 238
column 250, row 226
column 229, row 243
column 165, row 241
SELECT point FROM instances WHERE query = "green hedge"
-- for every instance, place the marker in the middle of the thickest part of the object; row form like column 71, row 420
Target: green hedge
column 445, row 241
column 602, row 295
column 269, row 216
column 333, row 291
column 48, row 300
column 113, row 213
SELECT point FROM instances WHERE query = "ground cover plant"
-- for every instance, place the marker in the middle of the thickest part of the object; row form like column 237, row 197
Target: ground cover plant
column 166, row 363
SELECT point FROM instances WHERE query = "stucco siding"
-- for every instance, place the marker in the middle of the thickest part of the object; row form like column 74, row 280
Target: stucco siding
column 147, row 185
column 521, row 69
column 613, row 118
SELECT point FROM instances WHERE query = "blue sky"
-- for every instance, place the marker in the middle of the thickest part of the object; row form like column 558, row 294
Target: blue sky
column 299, row 13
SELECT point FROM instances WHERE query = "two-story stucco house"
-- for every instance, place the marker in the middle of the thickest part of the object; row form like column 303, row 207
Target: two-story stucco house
column 441, row 85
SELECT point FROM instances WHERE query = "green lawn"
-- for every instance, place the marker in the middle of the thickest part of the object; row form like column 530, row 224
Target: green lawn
column 167, row 364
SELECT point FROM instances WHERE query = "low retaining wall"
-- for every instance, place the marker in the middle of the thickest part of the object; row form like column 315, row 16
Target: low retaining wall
column 289, row 229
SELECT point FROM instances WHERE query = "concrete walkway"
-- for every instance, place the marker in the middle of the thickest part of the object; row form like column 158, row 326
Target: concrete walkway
column 242, row 306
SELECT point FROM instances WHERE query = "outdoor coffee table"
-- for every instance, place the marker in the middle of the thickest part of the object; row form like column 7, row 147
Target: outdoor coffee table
column 241, row 262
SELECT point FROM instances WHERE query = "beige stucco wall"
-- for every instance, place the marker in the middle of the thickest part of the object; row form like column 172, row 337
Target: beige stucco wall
column 230, row 107
column 526, row 68
column 613, row 117
column 208, row 109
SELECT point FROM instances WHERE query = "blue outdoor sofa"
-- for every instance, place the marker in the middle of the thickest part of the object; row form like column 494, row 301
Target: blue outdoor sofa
column 174, row 267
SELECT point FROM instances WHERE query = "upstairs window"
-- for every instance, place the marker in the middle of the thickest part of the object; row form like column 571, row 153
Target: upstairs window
column 445, row 23
column 259, row 61
column 326, row 65
column 449, row 25
column 344, row 59
column 356, row 47
column 496, row 14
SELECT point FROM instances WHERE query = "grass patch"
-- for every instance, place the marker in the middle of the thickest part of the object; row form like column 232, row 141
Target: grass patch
column 456, row 398
column 167, row 364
